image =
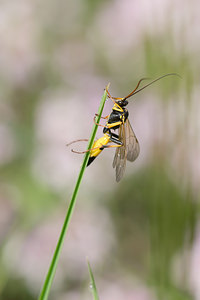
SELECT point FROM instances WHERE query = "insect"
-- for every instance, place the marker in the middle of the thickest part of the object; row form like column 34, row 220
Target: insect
column 125, row 142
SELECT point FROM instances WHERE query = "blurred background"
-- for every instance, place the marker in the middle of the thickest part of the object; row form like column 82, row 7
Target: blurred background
column 142, row 235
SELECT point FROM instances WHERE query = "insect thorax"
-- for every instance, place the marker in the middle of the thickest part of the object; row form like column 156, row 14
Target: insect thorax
column 116, row 117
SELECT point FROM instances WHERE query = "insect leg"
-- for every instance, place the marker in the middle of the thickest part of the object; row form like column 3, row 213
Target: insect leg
column 111, row 146
column 82, row 152
column 106, row 117
column 98, row 124
column 115, row 139
column 80, row 140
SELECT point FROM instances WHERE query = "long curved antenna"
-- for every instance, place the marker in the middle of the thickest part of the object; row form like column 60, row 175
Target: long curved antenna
column 133, row 92
column 137, row 91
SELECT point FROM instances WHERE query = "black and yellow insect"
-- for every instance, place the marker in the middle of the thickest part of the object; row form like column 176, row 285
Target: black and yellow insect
column 125, row 142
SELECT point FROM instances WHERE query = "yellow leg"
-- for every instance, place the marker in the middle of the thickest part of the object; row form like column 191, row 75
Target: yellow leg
column 82, row 152
column 98, row 123
column 113, row 146
column 108, row 125
column 104, row 146
column 96, row 115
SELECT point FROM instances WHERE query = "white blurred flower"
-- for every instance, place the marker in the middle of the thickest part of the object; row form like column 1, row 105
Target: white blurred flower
column 124, row 23
column 121, row 290
column 18, row 55
column 90, row 236
column 56, row 125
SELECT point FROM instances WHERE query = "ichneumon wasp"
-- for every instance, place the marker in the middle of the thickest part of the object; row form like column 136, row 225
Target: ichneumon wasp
column 125, row 142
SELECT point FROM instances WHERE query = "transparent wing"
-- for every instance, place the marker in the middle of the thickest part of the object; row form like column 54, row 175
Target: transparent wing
column 132, row 145
column 119, row 161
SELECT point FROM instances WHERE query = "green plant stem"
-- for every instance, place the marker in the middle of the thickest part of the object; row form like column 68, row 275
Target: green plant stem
column 52, row 269
column 93, row 284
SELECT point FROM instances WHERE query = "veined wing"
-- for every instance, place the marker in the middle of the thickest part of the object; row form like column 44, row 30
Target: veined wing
column 132, row 145
column 119, row 161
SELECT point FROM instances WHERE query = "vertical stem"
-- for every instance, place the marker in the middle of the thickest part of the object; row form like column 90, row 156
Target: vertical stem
column 52, row 269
